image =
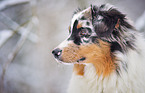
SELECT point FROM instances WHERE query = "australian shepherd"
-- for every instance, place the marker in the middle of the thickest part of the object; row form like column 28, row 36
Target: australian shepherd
column 107, row 52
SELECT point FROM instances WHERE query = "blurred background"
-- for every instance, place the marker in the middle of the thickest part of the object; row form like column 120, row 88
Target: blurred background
column 30, row 29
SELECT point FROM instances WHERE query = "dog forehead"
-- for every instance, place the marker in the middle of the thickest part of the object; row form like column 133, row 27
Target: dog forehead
column 78, row 15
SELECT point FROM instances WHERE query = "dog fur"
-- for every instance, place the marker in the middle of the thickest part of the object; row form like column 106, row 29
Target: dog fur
column 107, row 52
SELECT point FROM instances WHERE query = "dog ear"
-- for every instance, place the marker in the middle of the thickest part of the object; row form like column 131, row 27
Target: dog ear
column 116, row 16
column 93, row 12
column 119, row 18
column 110, row 20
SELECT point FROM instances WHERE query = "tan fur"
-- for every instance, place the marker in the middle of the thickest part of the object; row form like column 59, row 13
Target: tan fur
column 100, row 56
column 79, row 25
column 118, row 23
column 97, row 54
column 71, row 53
column 79, row 69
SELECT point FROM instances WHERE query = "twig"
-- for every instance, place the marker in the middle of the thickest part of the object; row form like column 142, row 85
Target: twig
column 14, row 27
column 9, row 22
column 14, row 52
column 8, row 3
column 5, row 35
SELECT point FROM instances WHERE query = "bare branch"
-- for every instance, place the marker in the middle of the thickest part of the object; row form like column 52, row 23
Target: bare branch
column 5, row 35
column 14, row 27
column 8, row 3
column 14, row 52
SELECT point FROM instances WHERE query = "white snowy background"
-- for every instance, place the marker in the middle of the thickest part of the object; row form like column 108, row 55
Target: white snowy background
column 34, row 70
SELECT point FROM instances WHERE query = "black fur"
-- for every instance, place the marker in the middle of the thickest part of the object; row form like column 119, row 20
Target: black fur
column 88, row 23
column 82, row 18
column 107, row 25
column 75, row 36
column 115, row 46
column 105, row 28
column 77, row 10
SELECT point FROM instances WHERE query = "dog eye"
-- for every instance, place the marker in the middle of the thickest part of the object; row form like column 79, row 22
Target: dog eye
column 84, row 33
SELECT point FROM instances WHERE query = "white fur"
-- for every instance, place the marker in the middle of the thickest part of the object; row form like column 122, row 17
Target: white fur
column 65, row 43
column 130, row 81
column 131, row 78
column 76, row 16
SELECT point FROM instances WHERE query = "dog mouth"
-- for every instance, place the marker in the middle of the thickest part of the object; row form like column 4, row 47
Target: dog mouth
column 78, row 61
column 82, row 59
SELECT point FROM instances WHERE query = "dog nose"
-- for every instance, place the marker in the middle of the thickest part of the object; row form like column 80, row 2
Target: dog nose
column 57, row 52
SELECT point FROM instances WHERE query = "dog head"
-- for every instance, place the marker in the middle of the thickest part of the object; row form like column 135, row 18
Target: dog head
column 94, row 35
